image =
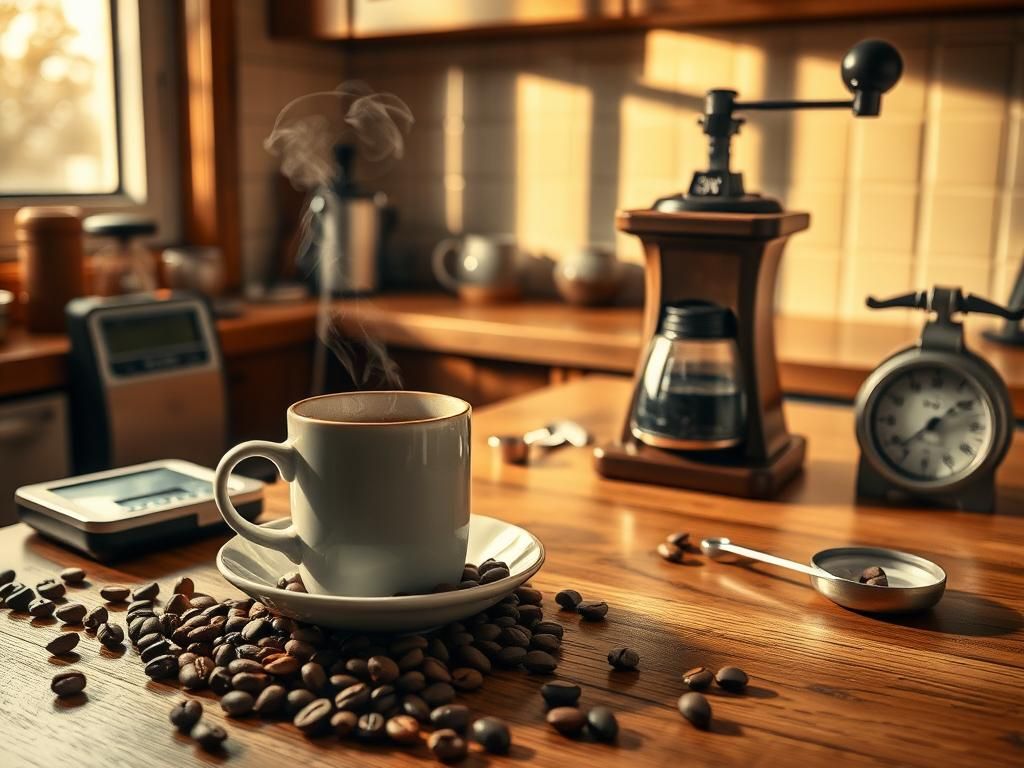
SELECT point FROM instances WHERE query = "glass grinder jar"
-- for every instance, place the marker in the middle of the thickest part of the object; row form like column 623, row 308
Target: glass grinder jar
column 691, row 394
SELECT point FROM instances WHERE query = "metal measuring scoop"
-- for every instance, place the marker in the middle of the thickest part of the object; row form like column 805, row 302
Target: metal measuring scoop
column 515, row 449
column 915, row 584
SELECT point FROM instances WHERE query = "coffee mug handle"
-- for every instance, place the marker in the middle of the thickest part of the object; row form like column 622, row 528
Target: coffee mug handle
column 284, row 540
column 441, row 251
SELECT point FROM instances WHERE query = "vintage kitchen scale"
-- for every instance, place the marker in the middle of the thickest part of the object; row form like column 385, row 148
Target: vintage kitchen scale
column 706, row 411
column 935, row 420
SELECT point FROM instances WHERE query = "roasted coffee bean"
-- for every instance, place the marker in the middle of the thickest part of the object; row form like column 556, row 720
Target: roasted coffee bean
column 403, row 645
column 256, row 628
column 140, row 607
column 162, row 667
column 51, row 589
column 515, row 636
column 486, row 632
column 237, row 703
column 382, row 669
column 151, row 626
column 698, row 678
column 282, row 666
column 602, row 724
column 210, row 737
column 559, row 693
column 271, row 700
column 225, row 653
column 190, row 678
column 454, row 716
column 466, row 679
column 457, row 639
column 148, row 639
column 436, row 649
column 202, row 602
column 355, row 698
column 296, row 700
column 344, row 723
column 530, row 615
column 63, row 643
column 493, row 575
column 169, row 623
column 731, row 679
column 245, row 665
column 670, row 552
column 438, row 694
column 569, row 599
column 249, row 651
column 20, row 598
column 593, row 611
column 502, row 610
column 511, row 656
column 7, row 576
column 468, row 656
column 435, row 671
column 186, row 658
column 301, row 650
column 312, row 635
column 371, row 727
column 679, row 539
column 340, row 682
column 66, row 684
column 146, row 592
column 110, row 636
column 695, row 708
column 416, row 707
column 134, row 628
column 217, row 609
column 493, row 735
column 549, row 628
column 383, row 699
column 314, row 719
column 178, row 604
column 185, row 714
column 95, row 617
column 8, row 588
column 160, row 648
column 488, row 649
column 313, row 676
column 205, row 634
column 250, row 682
column 115, row 594
column 411, row 659
column 529, row 595
column 41, row 608
column 539, row 663
column 546, row 643
column 490, row 564
column 411, row 682
column 71, row 575
column 403, row 729
column 447, row 746
column 220, row 681
column 568, row 721
column 71, row 613
column 874, row 576
column 184, row 586
column 625, row 659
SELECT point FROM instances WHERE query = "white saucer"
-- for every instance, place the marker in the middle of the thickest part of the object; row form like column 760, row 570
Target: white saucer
column 255, row 570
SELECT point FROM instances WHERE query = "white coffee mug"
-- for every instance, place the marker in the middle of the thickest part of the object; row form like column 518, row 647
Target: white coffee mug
column 379, row 491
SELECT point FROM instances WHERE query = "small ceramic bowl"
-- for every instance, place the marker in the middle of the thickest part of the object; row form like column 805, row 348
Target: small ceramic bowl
column 255, row 570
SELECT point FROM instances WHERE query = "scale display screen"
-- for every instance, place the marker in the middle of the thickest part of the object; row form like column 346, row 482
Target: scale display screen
column 150, row 333
column 148, row 489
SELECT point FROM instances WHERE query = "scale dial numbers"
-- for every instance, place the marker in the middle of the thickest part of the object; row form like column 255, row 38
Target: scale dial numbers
column 931, row 423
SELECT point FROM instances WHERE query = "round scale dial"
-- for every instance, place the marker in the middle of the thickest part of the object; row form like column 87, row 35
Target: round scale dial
column 932, row 423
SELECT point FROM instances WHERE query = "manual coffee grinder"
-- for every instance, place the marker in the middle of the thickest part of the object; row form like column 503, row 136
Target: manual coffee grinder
column 706, row 411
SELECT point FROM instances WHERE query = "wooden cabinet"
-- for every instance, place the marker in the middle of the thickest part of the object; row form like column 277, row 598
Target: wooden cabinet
column 261, row 386
column 309, row 19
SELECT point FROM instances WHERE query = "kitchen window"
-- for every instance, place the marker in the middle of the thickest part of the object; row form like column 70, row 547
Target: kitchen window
column 88, row 109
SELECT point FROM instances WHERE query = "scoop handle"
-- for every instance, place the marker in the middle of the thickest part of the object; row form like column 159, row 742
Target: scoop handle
column 715, row 548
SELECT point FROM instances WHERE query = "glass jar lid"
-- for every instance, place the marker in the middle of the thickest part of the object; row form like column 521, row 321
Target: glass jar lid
column 695, row 319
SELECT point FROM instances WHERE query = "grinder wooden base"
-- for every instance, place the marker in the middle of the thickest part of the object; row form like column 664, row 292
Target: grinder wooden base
column 644, row 464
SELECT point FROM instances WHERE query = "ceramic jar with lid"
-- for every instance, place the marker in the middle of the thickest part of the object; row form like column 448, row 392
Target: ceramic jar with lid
column 50, row 251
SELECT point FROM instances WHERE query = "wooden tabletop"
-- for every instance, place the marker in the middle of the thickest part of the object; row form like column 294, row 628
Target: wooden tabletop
column 828, row 687
column 817, row 357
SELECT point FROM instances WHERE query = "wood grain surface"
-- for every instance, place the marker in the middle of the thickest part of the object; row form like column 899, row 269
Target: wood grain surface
column 828, row 687
column 817, row 357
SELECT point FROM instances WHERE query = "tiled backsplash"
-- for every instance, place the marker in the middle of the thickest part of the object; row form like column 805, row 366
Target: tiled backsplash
column 546, row 137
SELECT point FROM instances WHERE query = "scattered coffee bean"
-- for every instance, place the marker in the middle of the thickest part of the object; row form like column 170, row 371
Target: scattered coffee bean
column 8, row 588
column 594, row 611
column 63, row 643
column 371, row 727
column 19, row 598
column 51, row 589
column 679, row 539
column 94, row 618
column 184, row 586
column 546, row 643
column 115, row 594
column 110, row 636
column 355, row 698
column 313, row 676
column 602, row 724
column 447, row 745
column 549, row 628
column 569, row 599
column 466, row 679
column 568, row 721
column 315, row 718
column 72, row 575
column 7, row 576
column 874, row 576
column 185, row 714
column 731, row 679
column 698, row 678
column 510, row 657
column 210, row 737
column 695, row 708
column 162, row 667
column 383, row 699
column 296, row 700
column 539, row 663
column 146, row 592
column 493, row 735
column 454, row 716
column 416, row 707
column 66, row 684
column 670, row 552
column 438, row 694
column 237, row 703
column 625, row 659
column 41, row 608
column 403, row 729
column 271, row 700
column 382, row 669
column 559, row 693
column 219, row 681
column 71, row 613
column 344, row 723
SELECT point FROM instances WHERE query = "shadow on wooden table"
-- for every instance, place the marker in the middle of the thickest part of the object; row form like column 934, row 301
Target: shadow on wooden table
column 961, row 613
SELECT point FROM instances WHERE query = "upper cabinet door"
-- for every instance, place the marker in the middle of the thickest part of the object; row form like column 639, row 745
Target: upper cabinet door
column 310, row 19
column 391, row 18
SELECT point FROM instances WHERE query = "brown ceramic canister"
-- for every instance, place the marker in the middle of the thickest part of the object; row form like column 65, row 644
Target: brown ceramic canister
column 51, row 254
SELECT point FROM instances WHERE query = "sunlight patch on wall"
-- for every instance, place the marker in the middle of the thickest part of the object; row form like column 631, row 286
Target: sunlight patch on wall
column 454, row 130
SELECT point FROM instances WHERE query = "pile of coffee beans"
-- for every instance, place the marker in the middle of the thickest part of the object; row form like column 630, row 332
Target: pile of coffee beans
column 694, row 705
column 565, row 716
column 874, row 576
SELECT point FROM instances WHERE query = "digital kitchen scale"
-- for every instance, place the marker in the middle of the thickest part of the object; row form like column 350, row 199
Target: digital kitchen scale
column 119, row 512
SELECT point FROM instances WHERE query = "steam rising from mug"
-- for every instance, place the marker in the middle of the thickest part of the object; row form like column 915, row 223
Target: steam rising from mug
column 304, row 136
